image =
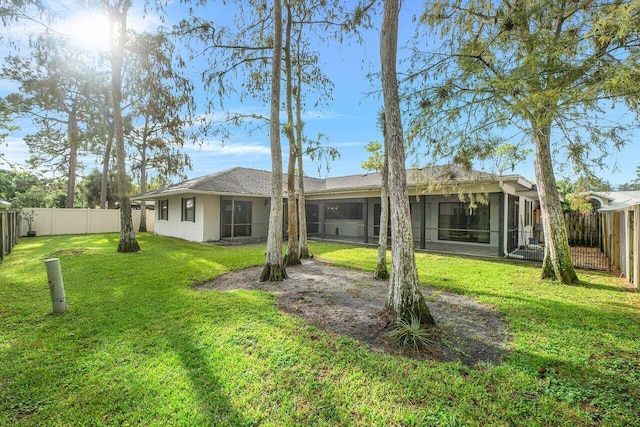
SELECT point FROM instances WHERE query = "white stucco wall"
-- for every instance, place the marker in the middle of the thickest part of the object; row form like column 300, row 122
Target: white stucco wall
column 175, row 227
column 210, row 216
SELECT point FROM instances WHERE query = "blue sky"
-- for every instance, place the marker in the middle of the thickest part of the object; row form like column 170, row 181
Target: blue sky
column 348, row 124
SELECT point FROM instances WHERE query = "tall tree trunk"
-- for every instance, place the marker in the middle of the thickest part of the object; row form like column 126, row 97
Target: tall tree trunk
column 382, row 273
column 127, row 241
column 302, row 203
column 143, row 177
column 274, row 269
column 293, row 247
column 104, row 190
column 74, row 135
column 557, row 262
column 405, row 298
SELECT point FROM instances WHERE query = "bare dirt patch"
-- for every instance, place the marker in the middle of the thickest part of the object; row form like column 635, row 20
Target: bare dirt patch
column 350, row 302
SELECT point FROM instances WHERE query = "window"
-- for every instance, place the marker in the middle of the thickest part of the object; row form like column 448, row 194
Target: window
column 349, row 210
column 457, row 221
column 163, row 209
column 189, row 209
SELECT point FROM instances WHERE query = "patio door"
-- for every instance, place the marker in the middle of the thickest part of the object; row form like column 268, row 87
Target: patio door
column 236, row 218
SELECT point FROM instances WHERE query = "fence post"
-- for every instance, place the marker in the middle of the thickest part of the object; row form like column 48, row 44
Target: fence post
column 3, row 216
column 610, row 250
column 56, row 286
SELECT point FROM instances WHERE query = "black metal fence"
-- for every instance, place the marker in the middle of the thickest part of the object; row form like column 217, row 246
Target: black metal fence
column 524, row 244
column 586, row 252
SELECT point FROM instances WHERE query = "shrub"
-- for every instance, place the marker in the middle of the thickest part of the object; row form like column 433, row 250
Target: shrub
column 409, row 333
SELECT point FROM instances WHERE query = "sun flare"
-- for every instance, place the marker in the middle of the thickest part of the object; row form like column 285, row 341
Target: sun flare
column 88, row 31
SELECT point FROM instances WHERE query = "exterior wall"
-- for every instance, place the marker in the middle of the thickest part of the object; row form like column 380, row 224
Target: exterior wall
column 175, row 227
column 208, row 224
column 216, row 210
column 54, row 221
column 211, row 216
column 350, row 195
column 260, row 212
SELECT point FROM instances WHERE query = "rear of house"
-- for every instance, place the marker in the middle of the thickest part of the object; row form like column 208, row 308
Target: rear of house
column 233, row 205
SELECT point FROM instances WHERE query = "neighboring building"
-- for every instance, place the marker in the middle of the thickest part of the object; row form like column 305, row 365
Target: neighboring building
column 233, row 205
column 620, row 229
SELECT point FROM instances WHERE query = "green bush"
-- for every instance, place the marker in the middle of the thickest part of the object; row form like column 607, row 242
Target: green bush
column 408, row 333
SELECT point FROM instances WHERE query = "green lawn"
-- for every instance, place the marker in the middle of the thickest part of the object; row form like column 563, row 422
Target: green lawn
column 140, row 347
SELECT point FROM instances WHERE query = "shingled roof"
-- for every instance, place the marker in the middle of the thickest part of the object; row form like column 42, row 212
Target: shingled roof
column 234, row 181
column 253, row 182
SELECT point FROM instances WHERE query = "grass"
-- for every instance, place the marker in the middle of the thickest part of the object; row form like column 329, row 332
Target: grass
column 140, row 347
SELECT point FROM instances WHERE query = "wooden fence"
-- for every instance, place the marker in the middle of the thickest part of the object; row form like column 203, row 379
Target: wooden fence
column 8, row 231
column 583, row 228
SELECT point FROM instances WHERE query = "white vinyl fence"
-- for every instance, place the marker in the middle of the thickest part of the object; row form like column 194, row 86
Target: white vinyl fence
column 55, row 221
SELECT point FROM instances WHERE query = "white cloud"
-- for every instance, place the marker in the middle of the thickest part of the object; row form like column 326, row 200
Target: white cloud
column 232, row 149
column 14, row 151
column 319, row 115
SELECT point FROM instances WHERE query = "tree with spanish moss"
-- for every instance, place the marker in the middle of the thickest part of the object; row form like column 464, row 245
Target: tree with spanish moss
column 161, row 108
column 537, row 71
column 59, row 84
column 118, row 11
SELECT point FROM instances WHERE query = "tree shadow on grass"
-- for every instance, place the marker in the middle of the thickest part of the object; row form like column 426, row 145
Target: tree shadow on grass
column 99, row 355
column 196, row 360
column 605, row 390
column 196, row 356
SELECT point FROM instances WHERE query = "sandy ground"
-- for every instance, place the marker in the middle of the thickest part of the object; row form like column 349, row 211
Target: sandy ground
column 350, row 302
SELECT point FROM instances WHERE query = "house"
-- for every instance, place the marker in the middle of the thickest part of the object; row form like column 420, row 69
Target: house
column 621, row 215
column 233, row 205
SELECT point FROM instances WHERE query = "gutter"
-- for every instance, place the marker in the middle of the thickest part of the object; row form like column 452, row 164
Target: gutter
column 200, row 192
